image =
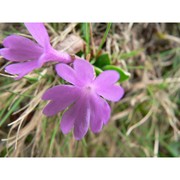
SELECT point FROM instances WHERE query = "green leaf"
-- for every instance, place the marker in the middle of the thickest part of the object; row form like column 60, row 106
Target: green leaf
column 173, row 148
column 131, row 54
column 102, row 61
column 98, row 70
column 123, row 74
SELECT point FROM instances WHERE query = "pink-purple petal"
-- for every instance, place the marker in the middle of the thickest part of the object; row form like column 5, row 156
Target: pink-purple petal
column 68, row 118
column 84, row 70
column 53, row 108
column 62, row 96
column 67, row 73
column 106, row 78
column 106, row 111
column 39, row 33
column 96, row 121
column 111, row 92
column 18, row 48
column 82, row 119
column 76, row 116
column 21, row 69
column 100, row 113
column 60, row 92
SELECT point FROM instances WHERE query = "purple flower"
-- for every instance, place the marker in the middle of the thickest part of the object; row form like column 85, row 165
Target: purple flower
column 28, row 54
column 86, row 106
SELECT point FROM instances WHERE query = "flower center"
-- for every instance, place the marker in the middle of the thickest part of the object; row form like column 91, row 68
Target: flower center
column 89, row 88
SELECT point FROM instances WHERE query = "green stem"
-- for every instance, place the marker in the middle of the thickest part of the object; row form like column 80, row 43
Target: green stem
column 104, row 37
column 86, row 32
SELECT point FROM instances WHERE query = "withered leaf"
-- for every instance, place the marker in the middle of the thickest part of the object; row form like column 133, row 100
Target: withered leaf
column 72, row 44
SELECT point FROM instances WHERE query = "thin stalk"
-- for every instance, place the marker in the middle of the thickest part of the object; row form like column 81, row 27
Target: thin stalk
column 104, row 38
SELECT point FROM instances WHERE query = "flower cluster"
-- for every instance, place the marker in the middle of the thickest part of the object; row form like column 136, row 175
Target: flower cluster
column 82, row 99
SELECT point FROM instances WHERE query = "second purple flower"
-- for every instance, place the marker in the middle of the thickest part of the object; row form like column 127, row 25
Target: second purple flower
column 29, row 55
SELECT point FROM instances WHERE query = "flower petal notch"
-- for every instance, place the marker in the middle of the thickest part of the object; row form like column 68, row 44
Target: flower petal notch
column 84, row 100
column 28, row 54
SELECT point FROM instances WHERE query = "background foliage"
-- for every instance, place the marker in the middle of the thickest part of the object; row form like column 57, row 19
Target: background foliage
column 144, row 123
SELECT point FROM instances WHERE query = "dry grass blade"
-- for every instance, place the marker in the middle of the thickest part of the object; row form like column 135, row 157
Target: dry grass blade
column 142, row 121
column 156, row 143
column 121, row 115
